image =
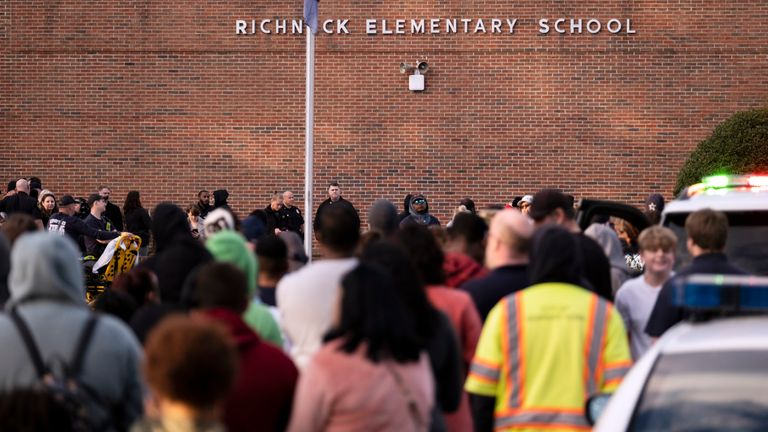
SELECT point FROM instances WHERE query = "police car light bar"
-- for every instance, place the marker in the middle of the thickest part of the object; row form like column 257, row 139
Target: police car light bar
column 717, row 183
column 725, row 293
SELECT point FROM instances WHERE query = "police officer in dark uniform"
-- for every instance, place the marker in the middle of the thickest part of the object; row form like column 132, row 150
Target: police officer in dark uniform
column 290, row 215
column 274, row 221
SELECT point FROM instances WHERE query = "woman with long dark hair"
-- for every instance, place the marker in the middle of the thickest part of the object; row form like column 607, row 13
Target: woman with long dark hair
column 137, row 220
column 433, row 327
column 373, row 372
column 428, row 259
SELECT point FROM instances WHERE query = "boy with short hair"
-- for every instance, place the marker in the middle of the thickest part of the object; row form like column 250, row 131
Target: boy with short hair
column 636, row 297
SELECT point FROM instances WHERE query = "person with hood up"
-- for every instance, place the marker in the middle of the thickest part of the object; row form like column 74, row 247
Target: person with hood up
column 177, row 253
column 220, row 197
column 406, row 203
column 418, row 210
column 606, row 237
column 48, row 295
column 230, row 247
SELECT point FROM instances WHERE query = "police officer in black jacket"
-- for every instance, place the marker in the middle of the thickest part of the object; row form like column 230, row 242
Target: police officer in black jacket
column 291, row 215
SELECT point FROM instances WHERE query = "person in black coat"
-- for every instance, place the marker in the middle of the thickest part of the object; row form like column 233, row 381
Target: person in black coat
column 137, row 220
column 274, row 220
column 550, row 206
column 177, row 254
column 21, row 202
column 707, row 232
column 334, row 200
column 113, row 212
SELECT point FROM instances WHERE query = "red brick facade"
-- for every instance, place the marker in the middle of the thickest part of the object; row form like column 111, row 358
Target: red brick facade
column 165, row 98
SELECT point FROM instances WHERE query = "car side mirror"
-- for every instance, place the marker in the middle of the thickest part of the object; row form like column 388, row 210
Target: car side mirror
column 595, row 406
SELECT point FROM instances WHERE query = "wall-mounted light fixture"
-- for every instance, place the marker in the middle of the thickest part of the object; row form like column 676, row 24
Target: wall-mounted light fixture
column 415, row 81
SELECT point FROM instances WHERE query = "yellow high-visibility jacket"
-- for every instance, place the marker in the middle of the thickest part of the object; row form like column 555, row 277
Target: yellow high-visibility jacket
column 543, row 351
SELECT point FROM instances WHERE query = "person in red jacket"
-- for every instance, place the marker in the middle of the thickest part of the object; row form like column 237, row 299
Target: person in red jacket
column 263, row 393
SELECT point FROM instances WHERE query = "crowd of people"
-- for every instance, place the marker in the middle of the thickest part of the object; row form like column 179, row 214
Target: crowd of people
column 505, row 323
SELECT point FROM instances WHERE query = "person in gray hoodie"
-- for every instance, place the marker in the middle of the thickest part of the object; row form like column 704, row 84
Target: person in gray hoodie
column 48, row 293
column 419, row 213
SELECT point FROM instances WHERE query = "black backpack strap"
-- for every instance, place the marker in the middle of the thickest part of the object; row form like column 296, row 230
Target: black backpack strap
column 29, row 342
column 82, row 346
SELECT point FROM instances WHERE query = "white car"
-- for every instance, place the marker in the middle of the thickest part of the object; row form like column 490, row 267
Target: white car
column 710, row 375
column 744, row 199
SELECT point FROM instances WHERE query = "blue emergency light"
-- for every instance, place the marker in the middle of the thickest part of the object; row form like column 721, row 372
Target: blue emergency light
column 725, row 293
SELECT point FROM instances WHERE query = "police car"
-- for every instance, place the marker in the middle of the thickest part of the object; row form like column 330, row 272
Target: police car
column 707, row 374
column 744, row 199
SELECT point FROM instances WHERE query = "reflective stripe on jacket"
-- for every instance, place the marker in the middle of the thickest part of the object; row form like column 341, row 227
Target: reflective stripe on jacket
column 543, row 351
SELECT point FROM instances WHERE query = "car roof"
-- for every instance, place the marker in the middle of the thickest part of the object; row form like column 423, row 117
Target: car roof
column 720, row 200
column 722, row 334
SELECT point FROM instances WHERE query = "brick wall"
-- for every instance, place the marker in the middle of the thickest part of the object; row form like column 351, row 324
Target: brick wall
column 164, row 98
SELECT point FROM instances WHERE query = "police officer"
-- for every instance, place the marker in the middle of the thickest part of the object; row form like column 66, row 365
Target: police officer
column 291, row 217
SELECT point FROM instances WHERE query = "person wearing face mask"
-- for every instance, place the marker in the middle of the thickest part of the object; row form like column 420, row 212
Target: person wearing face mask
column 419, row 213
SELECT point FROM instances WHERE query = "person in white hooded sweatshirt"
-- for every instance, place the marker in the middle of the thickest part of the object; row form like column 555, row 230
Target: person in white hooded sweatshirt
column 48, row 293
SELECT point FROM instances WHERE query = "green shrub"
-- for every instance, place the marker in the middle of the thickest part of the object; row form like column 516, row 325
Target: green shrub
column 739, row 145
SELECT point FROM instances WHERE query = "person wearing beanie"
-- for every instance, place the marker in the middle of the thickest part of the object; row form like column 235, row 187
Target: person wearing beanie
column 419, row 212
column 230, row 247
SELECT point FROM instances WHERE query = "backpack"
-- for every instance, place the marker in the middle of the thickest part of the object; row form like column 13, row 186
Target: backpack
column 67, row 391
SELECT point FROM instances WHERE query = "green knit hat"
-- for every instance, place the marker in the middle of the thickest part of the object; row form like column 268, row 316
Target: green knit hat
column 230, row 247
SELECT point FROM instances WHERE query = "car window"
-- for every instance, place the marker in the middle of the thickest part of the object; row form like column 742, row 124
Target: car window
column 747, row 245
column 713, row 391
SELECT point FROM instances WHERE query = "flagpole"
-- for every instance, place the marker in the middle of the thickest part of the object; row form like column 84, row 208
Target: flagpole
column 309, row 141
